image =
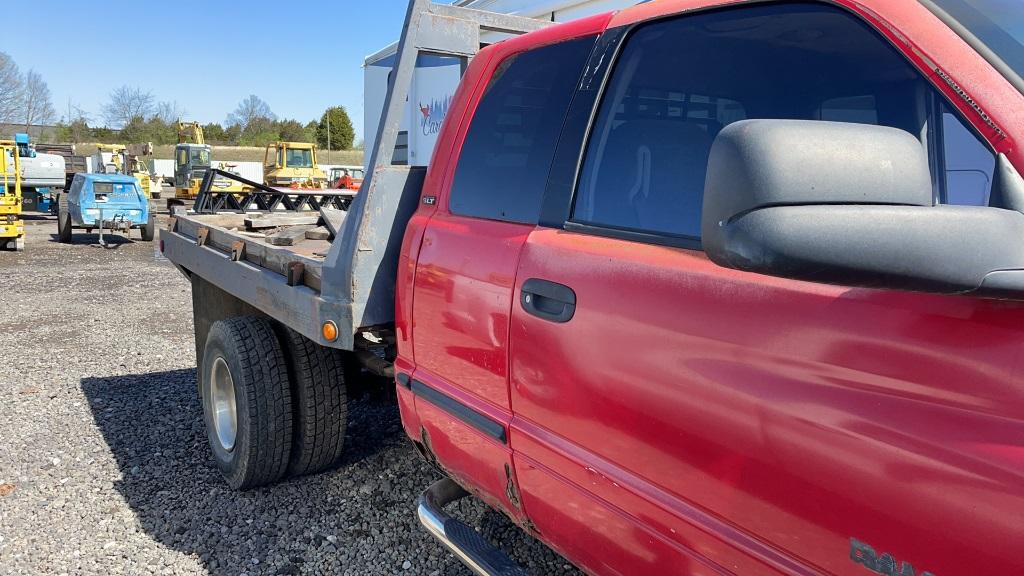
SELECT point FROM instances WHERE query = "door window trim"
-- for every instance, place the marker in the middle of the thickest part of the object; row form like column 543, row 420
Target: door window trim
column 558, row 203
column 493, row 71
column 634, row 235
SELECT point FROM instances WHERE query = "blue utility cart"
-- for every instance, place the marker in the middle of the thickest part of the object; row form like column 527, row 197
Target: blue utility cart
column 105, row 202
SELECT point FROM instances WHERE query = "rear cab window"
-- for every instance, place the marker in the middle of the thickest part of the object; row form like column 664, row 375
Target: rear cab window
column 644, row 165
column 505, row 158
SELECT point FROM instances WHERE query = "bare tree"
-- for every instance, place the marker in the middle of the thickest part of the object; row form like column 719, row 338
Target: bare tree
column 249, row 110
column 127, row 103
column 74, row 127
column 37, row 107
column 12, row 88
column 77, row 113
column 169, row 112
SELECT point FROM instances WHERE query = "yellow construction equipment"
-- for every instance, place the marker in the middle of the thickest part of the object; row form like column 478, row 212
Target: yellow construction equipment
column 121, row 159
column 292, row 165
column 12, row 229
column 192, row 158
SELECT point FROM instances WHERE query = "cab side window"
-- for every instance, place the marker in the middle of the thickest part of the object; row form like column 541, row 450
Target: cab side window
column 967, row 163
column 507, row 153
column 645, row 163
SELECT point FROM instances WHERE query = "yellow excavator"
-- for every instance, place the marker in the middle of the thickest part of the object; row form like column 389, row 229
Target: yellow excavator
column 292, row 165
column 192, row 159
column 12, row 229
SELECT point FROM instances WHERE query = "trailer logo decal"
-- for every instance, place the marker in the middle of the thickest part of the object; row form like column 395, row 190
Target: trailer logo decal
column 433, row 115
column 883, row 564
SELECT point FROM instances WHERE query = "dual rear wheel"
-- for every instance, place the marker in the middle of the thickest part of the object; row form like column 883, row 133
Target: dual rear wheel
column 274, row 402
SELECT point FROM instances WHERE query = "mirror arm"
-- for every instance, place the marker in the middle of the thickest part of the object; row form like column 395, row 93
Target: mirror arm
column 1007, row 185
column 1002, row 284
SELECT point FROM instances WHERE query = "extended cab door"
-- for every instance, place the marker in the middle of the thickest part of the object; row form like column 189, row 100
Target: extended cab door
column 465, row 271
column 675, row 417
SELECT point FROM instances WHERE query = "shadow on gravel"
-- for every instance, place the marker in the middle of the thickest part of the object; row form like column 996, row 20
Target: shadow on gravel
column 114, row 240
column 359, row 519
column 153, row 426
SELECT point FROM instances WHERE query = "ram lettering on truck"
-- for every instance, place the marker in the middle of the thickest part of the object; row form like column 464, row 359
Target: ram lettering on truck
column 699, row 287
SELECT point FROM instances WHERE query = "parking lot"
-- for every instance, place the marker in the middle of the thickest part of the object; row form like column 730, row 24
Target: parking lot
column 104, row 463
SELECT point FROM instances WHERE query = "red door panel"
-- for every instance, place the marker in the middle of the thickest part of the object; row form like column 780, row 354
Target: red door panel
column 476, row 459
column 597, row 536
column 762, row 422
column 463, row 294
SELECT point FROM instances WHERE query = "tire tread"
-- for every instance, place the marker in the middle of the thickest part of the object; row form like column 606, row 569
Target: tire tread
column 317, row 375
column 267, row 392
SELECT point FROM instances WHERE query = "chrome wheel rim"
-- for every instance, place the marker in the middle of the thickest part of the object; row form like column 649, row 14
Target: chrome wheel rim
column 222, row 401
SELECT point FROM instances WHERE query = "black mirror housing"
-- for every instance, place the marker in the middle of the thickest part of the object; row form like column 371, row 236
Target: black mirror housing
column 849, row 204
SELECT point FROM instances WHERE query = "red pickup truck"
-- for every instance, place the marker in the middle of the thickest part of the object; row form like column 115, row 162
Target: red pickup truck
column 699, row 287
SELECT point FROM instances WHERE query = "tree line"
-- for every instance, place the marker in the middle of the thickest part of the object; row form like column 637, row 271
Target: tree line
column 133, row 115
column 136, row 116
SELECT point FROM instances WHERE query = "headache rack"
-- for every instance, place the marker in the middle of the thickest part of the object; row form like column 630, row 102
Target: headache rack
column 263, row 198
column 349, row 280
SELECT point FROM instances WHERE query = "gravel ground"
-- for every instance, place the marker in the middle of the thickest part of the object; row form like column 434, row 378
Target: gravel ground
column 104, row 465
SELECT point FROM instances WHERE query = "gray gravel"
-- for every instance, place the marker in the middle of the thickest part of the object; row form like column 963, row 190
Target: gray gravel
column 104, row 466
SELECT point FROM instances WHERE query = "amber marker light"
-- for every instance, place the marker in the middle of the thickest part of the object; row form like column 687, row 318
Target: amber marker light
column 329, row 331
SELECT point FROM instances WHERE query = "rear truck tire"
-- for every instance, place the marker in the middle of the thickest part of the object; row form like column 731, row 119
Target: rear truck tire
column 149, row 229
column 246, row 401
column 319, row 402
column 63, row 220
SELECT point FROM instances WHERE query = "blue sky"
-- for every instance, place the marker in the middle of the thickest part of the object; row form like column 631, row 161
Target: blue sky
column 299, row 56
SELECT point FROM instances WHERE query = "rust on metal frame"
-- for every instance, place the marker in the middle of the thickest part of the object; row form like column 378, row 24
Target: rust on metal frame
column 237, row 251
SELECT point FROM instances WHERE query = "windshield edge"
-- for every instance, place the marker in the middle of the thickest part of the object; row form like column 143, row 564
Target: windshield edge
column 974, row 42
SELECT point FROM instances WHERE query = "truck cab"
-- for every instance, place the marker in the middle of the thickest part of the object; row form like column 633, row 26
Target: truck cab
column 667, row 304
column 346, row 177
column 700, row 287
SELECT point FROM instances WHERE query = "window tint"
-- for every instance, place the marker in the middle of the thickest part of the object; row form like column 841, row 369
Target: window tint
column 505, row 159
column 968, row 164
column 857, row 109
column 645, row 163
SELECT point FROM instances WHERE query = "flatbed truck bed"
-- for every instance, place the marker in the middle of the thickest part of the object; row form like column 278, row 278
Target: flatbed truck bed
column 279, row 329
column 345, row 287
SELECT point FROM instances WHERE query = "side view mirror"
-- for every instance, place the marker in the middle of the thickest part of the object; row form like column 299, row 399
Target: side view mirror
column 850, row 204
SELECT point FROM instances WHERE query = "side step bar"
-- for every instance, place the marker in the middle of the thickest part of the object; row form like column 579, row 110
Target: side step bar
column 471, row 548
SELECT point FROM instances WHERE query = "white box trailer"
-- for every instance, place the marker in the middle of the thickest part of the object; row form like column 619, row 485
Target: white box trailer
column 436, row 77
